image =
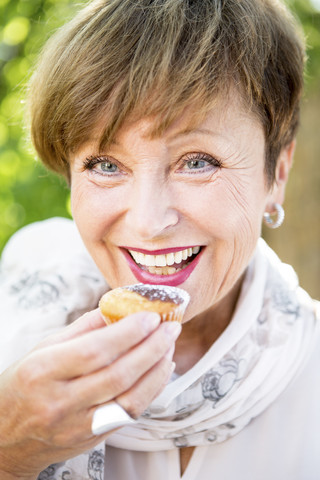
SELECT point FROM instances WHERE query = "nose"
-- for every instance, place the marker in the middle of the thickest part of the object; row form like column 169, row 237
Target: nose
column 151, row 212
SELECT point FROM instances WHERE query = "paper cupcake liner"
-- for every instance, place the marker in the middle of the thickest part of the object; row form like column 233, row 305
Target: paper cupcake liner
column 109, row 320
column 174, row 315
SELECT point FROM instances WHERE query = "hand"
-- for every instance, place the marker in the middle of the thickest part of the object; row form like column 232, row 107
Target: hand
column 48, row 398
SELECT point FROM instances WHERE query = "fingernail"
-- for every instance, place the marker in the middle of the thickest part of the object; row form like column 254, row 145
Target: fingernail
column 150, row 321
column 172, row 329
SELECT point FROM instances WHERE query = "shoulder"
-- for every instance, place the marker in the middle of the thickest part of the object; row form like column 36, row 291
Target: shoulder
column 45, row 264
column 41, row 240
column 47, row 280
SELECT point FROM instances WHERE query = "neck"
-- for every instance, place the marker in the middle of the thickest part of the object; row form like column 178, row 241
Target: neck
column 199, row 333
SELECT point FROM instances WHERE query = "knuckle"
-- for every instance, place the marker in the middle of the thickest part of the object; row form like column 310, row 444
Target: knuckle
column 118, row 379
column 29, row 373
column 50, row 413
column 88, row 354
column 133, row 406
column 47, row 414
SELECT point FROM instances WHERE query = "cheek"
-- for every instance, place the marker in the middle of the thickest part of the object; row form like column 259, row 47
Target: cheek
column 227, row 209
column 93, row 209
column 241, row 204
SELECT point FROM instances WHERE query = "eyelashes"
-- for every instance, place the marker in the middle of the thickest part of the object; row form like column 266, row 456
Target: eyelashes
column 191, row 164
column 107, row 167
column 198, row 158
column 90, row 162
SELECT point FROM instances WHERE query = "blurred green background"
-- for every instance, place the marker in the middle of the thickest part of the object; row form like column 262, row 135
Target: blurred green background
column 29, row 193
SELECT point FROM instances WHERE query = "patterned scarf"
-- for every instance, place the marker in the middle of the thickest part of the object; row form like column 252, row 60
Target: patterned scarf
column 246, row 369
column 262, row 350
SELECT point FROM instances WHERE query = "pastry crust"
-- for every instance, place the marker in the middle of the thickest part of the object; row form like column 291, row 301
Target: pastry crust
column 169, row 302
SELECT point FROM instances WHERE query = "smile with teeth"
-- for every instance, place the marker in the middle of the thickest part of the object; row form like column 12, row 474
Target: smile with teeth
column 167, row 264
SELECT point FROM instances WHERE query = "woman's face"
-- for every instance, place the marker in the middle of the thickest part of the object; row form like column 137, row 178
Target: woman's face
column 184, row 209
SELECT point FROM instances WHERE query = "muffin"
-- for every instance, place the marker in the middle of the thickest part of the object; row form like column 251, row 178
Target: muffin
column 169, row 302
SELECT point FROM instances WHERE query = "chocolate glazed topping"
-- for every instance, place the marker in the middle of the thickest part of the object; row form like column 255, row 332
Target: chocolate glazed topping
column 158, row 292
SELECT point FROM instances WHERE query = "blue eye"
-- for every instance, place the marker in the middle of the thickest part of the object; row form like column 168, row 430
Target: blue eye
column 199, row 163
column 101, row 166
column 108, row 167
column 196, row 164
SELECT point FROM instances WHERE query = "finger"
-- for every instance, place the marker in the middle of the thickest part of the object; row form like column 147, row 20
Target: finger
column 96, row 349
column 88, row 322
column 109, row 382
column 137, row 399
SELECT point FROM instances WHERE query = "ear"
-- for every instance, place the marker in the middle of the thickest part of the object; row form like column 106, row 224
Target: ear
column 283, row 168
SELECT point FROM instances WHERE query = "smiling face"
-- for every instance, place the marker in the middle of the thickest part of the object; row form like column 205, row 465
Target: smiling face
column 184, row 209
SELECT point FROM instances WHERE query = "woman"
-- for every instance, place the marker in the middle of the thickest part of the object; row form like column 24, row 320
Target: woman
column 174, row 122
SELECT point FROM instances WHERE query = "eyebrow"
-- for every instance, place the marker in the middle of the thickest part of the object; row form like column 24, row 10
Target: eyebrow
column 191, row 131
column 185, row 132
column 201, row 131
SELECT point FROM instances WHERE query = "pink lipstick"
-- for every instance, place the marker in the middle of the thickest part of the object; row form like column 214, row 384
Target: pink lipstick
column 174, row 279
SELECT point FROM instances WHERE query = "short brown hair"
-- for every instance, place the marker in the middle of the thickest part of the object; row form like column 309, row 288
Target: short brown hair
column 155, row 57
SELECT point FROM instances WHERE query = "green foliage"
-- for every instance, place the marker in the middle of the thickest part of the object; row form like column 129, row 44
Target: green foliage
column 309, row 16
column 27, row 191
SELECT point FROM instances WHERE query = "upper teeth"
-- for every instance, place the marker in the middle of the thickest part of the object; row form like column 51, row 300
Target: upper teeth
column 163, row 260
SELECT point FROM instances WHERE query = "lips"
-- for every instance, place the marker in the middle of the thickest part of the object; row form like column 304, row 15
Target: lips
column 166, row 267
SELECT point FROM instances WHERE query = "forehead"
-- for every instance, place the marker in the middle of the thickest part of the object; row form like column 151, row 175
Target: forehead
column 226, row 115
